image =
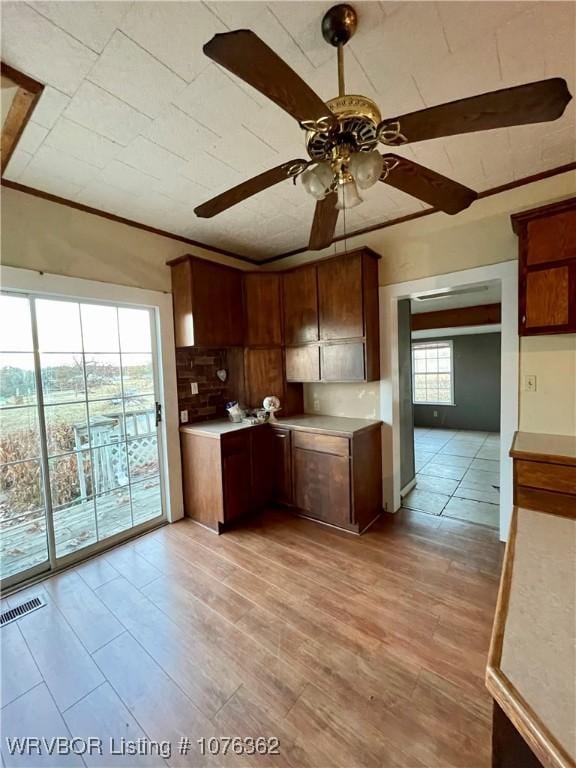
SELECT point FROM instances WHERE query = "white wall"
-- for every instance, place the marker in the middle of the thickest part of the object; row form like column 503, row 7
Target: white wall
column 441, row 244
column 552, row 407
column 49, row 237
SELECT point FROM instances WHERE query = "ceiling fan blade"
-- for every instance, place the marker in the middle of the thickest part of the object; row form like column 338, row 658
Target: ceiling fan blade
column 324, row 224
column 248, row 188
column 531, row 103
column 427, row 185
column 248, row 57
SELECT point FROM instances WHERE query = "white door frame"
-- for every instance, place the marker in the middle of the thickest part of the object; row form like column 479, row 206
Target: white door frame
column 30, row 281
column 507, row 273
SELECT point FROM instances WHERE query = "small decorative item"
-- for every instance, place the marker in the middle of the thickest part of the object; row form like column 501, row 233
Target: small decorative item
column 271, row 404
column 222, row 374
column 234, row 411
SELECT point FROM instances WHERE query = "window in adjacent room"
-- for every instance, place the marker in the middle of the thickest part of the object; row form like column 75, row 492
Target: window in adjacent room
column 432, row 373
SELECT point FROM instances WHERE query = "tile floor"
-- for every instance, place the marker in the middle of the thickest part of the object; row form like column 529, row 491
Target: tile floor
column 457, row 475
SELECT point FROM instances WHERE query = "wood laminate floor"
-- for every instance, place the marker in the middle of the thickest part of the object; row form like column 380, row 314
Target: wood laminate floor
column 351, row 651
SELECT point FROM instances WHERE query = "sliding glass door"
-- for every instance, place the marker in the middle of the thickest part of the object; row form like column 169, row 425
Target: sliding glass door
column 79, row 441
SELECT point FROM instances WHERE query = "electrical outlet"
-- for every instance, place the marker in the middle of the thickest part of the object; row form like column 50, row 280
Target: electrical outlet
column 435, row 414
column 530, row 383
column 183, row 417
column 316, row 405
column 194, row 388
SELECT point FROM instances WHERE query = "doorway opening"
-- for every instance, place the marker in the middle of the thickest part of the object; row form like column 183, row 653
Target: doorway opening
column 391, row 396
column 80, row 448
column 450, row 371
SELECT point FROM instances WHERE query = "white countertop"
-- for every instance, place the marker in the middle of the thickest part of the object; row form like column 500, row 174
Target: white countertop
column 336, row 425
column 216, row 428
column 531, row 668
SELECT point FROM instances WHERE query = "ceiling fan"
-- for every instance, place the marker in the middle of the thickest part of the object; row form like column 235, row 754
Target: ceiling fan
column 342, row 134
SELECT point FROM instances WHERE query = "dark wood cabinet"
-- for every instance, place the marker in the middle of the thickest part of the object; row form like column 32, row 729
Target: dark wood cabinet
column 338, row 479
column 343, row 362
column 225, row 477
column 208, row 306
column 264, row 372
column 263, row 466
column 335, row 478
column 346, row 311
column 263, row 309
column 300, row 301
column 237, row 475
column 547, row 264
column 322, row 486
column 340, row 298
column 282, row 466
column 313, row 323
column 303, row 363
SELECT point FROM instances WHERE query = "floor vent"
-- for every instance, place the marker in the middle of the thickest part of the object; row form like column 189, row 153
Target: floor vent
column 21, row 610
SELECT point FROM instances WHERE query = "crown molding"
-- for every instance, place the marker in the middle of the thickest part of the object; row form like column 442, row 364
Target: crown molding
column 255, row 262
column 121, row 220
column 429, row 211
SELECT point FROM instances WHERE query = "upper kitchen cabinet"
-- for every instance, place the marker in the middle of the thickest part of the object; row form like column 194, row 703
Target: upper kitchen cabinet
column 208, row 305
column 300, row 299
column 263, row 314
column 547, row 264
column 340, row 302
column 344, row 323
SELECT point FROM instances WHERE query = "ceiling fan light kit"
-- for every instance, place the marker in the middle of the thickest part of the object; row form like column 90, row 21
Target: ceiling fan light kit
column 343, row 133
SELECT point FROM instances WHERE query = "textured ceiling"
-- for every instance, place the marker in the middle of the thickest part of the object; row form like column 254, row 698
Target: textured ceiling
column 136, row 121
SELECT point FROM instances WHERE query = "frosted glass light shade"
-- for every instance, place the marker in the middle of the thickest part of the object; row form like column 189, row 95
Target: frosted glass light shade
column 348, row 196
column 366, row 167
column 318, row 180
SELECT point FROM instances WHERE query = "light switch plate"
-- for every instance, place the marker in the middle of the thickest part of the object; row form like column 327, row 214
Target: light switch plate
column 194, row 388
column 530, row 383
column 183, row 417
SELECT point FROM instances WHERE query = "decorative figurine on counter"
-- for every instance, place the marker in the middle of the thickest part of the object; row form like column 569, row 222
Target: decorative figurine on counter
column 271, row 404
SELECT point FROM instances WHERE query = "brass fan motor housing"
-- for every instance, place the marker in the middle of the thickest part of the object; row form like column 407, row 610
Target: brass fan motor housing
column 357, row 115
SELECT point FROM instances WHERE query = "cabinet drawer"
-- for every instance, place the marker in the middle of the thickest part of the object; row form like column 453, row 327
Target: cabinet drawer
column 339, row 446
column 551, row 477
column 303, row 363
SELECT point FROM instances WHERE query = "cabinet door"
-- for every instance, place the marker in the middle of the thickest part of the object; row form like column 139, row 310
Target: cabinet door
column 322, row 486
column 551, row 238
column 300, row 294
column 217, row 312
column 236, row 476
column 343, row 362
column 262, row 310
column 547, row 292
column 282, row 466
column 263, row 465
column 264, row 375
column 303, row 363
column 340, row 298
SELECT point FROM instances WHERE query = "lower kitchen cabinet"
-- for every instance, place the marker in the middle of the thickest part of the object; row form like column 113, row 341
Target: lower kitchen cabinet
column 337, row 480
column 236, row 475
column 322, row 486
column 333, row 478
column 225, row 477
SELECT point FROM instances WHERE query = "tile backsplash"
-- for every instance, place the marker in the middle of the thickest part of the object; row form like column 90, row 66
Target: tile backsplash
column 199, row 364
